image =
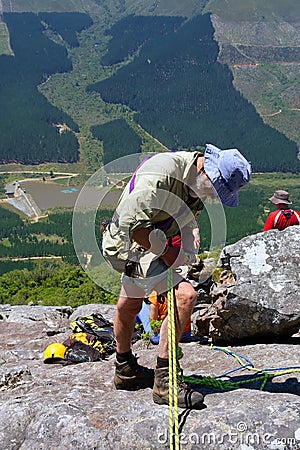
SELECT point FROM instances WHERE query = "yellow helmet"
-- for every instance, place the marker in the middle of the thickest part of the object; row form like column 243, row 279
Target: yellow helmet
column 54, row 353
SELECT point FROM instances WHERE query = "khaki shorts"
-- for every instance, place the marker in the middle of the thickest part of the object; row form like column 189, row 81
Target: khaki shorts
column 150, row 274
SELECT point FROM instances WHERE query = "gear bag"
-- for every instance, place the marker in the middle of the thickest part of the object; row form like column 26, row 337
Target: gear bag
column 79, row 352
column 93, row 339
column 99, row 327
column 88, row 339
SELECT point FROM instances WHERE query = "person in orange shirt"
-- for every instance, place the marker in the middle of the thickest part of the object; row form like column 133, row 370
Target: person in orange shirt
column 155, row 307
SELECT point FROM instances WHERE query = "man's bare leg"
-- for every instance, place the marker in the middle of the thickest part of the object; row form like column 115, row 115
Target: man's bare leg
column 127, row 310
column 129, row 374
column 185, row 296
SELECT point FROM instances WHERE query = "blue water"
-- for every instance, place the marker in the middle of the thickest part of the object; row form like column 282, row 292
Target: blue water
column 69, row 191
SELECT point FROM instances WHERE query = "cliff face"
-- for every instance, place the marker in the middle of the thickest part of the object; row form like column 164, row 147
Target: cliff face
column 263, row 56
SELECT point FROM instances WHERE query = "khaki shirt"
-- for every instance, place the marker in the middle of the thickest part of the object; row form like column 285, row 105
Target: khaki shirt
column 159, row 192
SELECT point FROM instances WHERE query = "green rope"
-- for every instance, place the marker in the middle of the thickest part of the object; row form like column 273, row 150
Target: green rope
column 223, row 385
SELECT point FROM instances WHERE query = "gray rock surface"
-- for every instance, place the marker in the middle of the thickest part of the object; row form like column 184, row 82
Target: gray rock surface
column 261, row 299
column 55, row 407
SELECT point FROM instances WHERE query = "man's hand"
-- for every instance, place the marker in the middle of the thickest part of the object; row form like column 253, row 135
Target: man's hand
column 197, row 241
column 172, row 256
column 191, row 240
column 141, row 236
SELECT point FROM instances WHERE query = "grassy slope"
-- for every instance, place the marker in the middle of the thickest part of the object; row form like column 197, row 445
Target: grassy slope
column 45, row 5
column 4, row 39
column 235, row 10
column 252, row 10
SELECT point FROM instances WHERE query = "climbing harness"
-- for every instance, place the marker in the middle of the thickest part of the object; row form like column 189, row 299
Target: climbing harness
column 261, row 375
column 172, row 353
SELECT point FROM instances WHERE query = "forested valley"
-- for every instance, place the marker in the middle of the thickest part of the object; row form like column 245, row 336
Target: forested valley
column 182, row 95
column 119, row 139
column 32, row 130
column 164, row 80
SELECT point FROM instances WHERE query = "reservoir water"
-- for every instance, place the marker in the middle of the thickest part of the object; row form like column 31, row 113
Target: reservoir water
column 51, row 195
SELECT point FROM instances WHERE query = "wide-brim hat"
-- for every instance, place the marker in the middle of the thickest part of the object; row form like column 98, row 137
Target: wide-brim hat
column 228, row 171
column 279, row 197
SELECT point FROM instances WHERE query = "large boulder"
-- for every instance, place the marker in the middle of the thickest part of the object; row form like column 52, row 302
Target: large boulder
column 259, row 298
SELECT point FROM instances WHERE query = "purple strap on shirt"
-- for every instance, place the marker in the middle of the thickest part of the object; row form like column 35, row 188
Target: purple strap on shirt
column 132, row 181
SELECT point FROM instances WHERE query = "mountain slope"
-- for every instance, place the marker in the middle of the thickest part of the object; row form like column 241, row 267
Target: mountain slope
column 245, row 32
column 182, row 95
column 255, row 10
column 260, row 41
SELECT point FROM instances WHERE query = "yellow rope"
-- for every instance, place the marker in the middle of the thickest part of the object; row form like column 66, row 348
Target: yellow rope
column 172, row 352
column 170, row 372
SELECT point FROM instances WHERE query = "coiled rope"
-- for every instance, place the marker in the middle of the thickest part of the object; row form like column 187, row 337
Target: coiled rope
column 172, row 353
column 263, row 375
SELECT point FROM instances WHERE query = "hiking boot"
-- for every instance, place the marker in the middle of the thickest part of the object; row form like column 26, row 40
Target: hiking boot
column 187, row 397
column 129, row 375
